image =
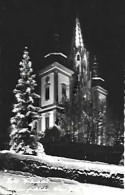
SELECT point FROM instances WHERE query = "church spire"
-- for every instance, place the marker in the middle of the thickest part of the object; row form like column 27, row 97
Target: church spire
column 79, row 57
column 79, row 54
column 78, row 40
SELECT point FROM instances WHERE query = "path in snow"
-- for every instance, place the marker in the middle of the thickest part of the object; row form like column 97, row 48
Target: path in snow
column 19, row 183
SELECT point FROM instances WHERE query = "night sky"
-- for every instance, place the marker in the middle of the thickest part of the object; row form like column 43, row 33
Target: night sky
column 32, row 22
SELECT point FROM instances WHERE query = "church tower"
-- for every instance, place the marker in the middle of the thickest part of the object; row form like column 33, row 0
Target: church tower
column 55, row 81
column 99, row 99
column 91, row 87
column 80, row 58
column 82, row 86
column 79, row 54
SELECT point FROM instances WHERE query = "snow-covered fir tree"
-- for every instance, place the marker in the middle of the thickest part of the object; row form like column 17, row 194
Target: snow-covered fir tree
column 24, row 122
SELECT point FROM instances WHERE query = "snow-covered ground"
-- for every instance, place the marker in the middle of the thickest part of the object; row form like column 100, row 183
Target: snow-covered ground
column 52, row 166
column 19, row 183
column 70, row 163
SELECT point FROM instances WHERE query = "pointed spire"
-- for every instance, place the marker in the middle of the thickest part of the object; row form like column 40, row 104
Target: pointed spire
column 78, row 54
column 78, row 40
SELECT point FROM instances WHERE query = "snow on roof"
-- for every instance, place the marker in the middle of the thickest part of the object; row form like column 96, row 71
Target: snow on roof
column 102, row 90
column 58, row 66
column 98, row 78
column 55, row 53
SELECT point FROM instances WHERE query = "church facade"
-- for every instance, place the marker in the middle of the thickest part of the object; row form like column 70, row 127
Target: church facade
column 61, row 79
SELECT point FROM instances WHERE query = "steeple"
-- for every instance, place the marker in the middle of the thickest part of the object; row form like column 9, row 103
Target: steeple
column 78, row 40
column 79, row 55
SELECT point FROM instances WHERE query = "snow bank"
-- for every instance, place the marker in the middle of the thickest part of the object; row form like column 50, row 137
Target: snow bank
column 83, row 171
column 70, row 163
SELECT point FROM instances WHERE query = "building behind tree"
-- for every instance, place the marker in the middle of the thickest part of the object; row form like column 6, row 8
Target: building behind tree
column 73, row 96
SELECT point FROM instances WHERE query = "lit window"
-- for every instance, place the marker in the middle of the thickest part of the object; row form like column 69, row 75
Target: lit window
column 47, row 122
column 47, row 92
column 63, row 89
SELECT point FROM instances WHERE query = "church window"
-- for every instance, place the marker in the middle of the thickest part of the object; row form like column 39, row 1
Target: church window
column 47, row 92
column 47, row 88
column 47, row 122
column 78, row 69
column 63, row 89
column 78, row 57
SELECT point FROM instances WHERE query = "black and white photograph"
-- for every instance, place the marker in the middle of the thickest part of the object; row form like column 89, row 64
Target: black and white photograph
column 62, row 103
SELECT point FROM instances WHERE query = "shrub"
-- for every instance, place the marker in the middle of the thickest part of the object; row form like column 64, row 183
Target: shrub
column 53, row 134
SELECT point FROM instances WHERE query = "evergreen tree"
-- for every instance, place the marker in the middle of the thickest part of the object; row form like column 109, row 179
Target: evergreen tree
column 115, row 129
column 76, row 116
column 24, row 123
column 82, row 111
column 65, row 119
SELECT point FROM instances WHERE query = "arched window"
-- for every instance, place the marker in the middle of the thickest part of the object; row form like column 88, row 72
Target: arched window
column 63, row 90
column 47, row 92
column 47, row 88
column 47, row 122
column 78, row 57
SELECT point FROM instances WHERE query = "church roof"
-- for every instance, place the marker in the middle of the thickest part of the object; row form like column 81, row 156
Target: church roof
column 56, row 66
column 100, row 89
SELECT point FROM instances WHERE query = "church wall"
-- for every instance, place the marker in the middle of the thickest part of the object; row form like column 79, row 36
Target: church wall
column 62, row 79
column 51, row 115
column 102, row 97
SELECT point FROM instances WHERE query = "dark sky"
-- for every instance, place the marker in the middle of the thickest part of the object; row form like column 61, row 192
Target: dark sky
column 32, row 22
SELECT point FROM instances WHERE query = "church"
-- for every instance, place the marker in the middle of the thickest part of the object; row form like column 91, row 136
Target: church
column 62, row 77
